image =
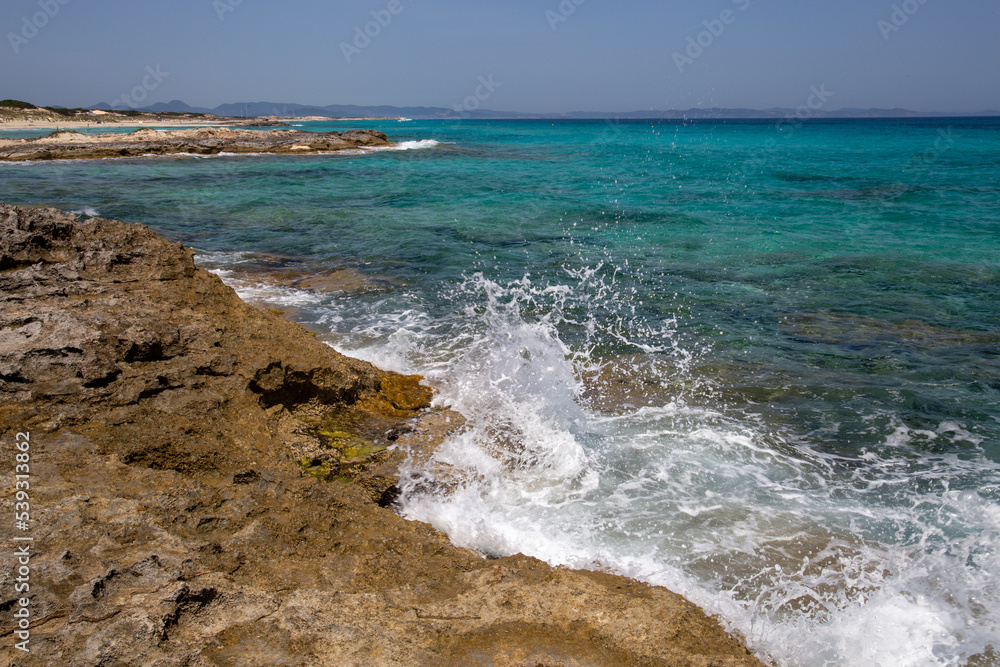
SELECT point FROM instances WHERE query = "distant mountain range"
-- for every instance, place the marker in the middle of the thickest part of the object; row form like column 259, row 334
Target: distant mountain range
column 261, row 109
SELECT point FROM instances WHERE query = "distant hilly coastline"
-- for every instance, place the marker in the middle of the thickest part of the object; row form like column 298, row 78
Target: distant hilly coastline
column 289, row 110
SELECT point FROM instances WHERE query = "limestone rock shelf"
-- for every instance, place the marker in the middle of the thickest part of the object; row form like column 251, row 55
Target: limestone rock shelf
column 72, row 145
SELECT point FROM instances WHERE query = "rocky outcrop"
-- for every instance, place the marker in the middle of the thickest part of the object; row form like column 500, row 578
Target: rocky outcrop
column 71, row 145
column 211, row 485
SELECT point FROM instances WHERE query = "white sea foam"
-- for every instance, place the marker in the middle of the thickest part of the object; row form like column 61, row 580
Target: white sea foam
column 223, row 258
column 410, row 145
column 886, row 558
column 261, row 292
column 88, row 211
column 348, row 151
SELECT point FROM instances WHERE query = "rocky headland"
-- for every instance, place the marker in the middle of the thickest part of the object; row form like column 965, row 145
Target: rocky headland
column 72, row 145
column 212, row 485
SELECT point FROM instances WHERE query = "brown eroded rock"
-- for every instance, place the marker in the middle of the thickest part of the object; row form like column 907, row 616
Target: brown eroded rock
column 205, row 480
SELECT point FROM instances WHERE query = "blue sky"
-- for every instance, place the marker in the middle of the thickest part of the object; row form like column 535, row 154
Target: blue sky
column 545, row 55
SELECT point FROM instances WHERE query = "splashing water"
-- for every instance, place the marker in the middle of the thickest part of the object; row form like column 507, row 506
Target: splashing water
column 884, row 558
column 409, row 146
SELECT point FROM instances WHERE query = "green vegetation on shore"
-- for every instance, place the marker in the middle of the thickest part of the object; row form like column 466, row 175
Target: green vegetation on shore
column 19, row 110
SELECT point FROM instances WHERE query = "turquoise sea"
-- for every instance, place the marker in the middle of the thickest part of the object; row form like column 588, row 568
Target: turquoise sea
column 755, row 362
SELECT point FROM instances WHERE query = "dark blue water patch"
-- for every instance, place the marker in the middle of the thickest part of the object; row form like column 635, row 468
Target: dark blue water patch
column 877, row 193
column 814, row 177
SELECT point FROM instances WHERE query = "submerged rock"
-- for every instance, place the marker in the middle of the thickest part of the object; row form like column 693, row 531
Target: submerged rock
column 174, row 518
column 857, row 330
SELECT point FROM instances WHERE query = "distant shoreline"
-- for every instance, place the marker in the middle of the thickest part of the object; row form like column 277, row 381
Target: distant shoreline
column 72, row 145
